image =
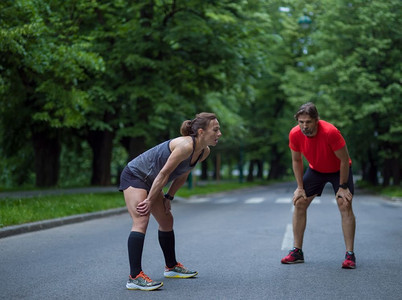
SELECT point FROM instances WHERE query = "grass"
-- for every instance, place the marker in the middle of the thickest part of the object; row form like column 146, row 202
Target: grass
column 392, row 191
column 15, row 211
column 25, row 210
column 389, row 191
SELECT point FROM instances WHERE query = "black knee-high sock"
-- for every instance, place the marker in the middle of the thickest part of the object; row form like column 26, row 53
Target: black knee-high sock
column 135, row 247
column 166, row 240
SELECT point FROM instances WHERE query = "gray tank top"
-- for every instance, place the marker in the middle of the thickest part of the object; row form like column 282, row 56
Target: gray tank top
column 147, row 165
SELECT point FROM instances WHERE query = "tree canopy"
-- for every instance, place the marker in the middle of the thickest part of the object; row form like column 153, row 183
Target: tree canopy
column 86, row 86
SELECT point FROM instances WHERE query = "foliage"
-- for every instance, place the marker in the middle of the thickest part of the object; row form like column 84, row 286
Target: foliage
column 87, row 85
column 352, row 71
column 24, row 210
column 42, row 60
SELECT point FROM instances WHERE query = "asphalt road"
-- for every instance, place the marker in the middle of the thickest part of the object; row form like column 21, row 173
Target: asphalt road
column 234, row 240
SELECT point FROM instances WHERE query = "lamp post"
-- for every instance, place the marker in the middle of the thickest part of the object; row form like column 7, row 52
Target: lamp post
column 304, row 21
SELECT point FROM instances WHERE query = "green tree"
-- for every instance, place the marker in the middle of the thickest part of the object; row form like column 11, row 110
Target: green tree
column 42, row 60
column 165, row 62
column 352, row 72
column 270, row 114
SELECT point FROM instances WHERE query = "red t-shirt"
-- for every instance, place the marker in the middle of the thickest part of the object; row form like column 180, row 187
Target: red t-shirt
column 319, row 150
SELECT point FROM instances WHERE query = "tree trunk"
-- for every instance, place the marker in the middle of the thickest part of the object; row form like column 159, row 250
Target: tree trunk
column 277, row 168
column 260, row 170
column 134, row 146
column 396, row 173
column 391, row 170
column 47, row 150
column 204, row 170
column 250, row 175
column 101, row 143
column 217, row 173
column 370, row 169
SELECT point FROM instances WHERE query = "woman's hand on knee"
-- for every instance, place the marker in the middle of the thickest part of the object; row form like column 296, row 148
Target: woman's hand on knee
column 144, row 207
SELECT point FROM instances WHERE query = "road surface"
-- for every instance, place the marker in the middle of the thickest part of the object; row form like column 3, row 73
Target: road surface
column 234, row 240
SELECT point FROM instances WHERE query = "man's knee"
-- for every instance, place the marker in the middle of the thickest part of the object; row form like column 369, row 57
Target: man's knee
column 345, row 207
column 303, row 204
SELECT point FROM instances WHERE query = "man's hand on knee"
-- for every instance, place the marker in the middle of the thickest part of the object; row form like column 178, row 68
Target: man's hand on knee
column 298, row 194
column 345, row 195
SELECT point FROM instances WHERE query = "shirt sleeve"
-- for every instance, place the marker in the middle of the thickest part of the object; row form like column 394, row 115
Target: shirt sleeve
column 293, row 141
column 336, row 140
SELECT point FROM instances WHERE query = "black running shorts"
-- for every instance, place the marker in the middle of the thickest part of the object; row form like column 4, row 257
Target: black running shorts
column 127, row 179
column 314, row 181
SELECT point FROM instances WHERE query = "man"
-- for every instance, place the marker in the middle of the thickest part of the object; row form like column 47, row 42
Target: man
column 325, row 149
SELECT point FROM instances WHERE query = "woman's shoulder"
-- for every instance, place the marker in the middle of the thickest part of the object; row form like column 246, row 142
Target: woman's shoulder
column 206, row 150
column 184, row 143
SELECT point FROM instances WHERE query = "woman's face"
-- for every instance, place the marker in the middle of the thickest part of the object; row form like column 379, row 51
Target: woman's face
column 212, row 133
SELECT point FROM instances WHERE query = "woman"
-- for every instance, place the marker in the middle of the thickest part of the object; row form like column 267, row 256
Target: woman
column 142, row 181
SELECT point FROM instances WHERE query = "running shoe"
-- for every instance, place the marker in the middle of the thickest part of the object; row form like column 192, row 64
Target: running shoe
column 295, row 256
column 350, row 261
column 179, row 271
column 142, row 282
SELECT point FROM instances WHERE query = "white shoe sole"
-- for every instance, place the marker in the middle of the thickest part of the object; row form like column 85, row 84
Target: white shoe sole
column 179, row 275
column 132, row 286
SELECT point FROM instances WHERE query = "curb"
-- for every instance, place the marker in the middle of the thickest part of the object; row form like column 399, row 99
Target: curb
column 396, row 199
column 35, row 226
column 46, row 224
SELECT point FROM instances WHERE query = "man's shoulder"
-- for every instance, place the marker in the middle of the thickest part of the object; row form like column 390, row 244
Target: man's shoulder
column 295, row 129
column 326, row 125
column 295, row 134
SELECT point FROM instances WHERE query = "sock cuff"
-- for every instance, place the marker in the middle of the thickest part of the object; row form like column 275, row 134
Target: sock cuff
column 137, row 234
column 165, row 233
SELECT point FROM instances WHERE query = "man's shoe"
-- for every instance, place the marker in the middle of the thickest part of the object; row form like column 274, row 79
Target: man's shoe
column 179, row 271
column 295, row 256
column 142, row 282
column 350, row 261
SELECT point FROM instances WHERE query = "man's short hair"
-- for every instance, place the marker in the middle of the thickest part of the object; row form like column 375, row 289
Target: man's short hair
column 307, row 109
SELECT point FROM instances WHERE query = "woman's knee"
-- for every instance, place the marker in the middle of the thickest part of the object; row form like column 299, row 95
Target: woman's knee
column 140, row 223
column 165, row 222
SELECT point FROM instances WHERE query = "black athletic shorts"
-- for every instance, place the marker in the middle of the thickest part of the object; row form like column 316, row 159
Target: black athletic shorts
column 314, row 181
column 127, row 179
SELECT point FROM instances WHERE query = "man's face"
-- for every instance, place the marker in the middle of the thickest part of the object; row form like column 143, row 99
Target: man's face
column 308, row 125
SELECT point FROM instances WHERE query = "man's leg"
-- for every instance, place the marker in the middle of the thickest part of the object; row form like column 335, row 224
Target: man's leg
column 348, row 223
column 300, row 220
column 299, row 225
column 348, row 228
column 313, row 183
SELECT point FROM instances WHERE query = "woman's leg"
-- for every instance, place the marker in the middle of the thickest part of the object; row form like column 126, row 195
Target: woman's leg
column 135, row 243
column 173, row 269
column 165, row 231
